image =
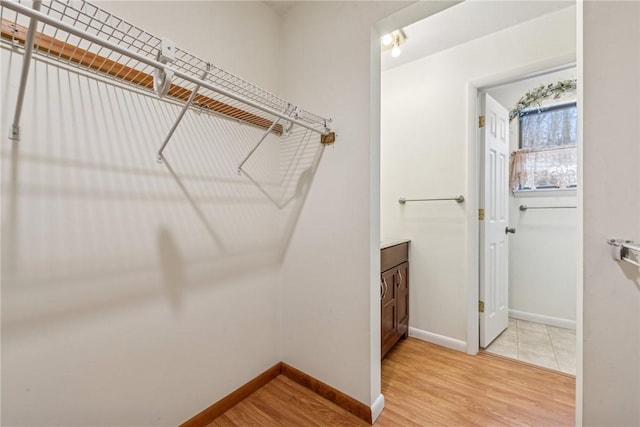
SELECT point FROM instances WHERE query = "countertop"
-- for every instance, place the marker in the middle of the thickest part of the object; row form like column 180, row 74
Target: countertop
column 392, row 242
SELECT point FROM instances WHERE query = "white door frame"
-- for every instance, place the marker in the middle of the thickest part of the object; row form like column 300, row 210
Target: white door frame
column 473, row 183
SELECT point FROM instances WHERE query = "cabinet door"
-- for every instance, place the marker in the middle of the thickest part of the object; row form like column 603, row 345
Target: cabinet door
column 388, row 315
column 401, row 278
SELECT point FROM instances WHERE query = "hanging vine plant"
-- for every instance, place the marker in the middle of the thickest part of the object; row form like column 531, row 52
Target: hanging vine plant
column 533, row 97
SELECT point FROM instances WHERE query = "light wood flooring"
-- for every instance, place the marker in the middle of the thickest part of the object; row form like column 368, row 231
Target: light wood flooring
column 425, row 385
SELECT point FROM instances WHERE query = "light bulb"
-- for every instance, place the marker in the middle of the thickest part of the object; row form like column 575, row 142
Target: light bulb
column 395, row 52
column 387, row 39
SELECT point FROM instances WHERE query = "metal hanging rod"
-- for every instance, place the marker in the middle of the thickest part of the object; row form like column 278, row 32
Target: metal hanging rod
column 622, row 249
column 525, row 208
column 459, row 199
column 83, row 35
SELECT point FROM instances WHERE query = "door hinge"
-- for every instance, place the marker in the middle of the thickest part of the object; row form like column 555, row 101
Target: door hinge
column 481, row 306
column 481, row 121
column 480, row 214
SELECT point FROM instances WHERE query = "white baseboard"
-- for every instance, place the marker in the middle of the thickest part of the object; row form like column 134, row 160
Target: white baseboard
column 545, row 320
column 441, row 340
column 376, row 408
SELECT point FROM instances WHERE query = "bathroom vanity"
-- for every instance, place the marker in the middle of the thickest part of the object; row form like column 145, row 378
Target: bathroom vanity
column 394, row 293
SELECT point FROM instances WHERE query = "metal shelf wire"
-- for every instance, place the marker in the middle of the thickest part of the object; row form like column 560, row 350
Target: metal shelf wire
column 82, row 35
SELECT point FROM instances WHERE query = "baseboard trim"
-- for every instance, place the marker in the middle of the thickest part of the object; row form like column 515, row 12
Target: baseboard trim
column 344, row 401
column 545, row 320
column 220, row 407
column 348, row 403
column 376, row 408
column 437, row 339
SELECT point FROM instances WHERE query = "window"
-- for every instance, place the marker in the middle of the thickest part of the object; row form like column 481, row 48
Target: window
column 547, row 156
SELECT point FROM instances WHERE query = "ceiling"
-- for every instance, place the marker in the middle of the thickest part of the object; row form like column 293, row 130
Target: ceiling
column 464, row 22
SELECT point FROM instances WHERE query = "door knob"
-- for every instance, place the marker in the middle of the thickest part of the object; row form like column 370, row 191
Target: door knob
column 509, row 230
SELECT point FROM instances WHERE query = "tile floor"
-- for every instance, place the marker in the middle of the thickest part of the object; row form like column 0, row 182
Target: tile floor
column 539, row 344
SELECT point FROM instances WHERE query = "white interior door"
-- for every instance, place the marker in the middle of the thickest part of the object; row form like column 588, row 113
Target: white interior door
column 494, row 199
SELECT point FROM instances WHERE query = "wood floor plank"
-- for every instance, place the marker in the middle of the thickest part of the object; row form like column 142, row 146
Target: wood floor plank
column 313, row 406
column 476, row 390
column 425, row 385
column 297, row 403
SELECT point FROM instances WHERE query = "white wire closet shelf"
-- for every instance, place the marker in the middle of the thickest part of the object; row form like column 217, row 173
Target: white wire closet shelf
column 85, row 36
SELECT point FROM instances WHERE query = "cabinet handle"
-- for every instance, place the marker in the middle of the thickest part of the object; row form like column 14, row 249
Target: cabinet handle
column 399, row 274
column 381, row 290
column 386, row 287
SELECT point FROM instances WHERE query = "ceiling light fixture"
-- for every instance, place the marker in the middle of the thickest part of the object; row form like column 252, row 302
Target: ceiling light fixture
column 395, row 50
column 392, row 42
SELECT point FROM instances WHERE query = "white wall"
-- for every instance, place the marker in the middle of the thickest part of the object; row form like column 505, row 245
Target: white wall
column 542, row 254
column 611, row 88
column 136, row 293
column 423, row 154
column 326, row 289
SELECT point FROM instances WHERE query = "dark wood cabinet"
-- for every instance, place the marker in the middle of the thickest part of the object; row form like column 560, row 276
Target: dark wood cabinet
column 402, row 297
column 389, row 315
column 394, row 295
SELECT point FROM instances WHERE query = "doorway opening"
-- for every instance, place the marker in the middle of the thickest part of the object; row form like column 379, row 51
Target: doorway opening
column 429, row 154
column 527, row 192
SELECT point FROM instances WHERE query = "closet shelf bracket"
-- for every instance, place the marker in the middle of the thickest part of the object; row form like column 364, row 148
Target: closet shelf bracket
column 185, row 107
column 624, row 250
column 162, row 76
column 264, row 136
column 328, row 137
column 14, row 130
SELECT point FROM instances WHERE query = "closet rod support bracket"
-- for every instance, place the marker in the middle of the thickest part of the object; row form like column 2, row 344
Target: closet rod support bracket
column 14, row 130
column 162, row 76
column 264, row 136
column 185, row 107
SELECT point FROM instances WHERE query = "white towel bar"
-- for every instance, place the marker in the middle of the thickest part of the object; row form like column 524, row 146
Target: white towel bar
column 459, row 199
